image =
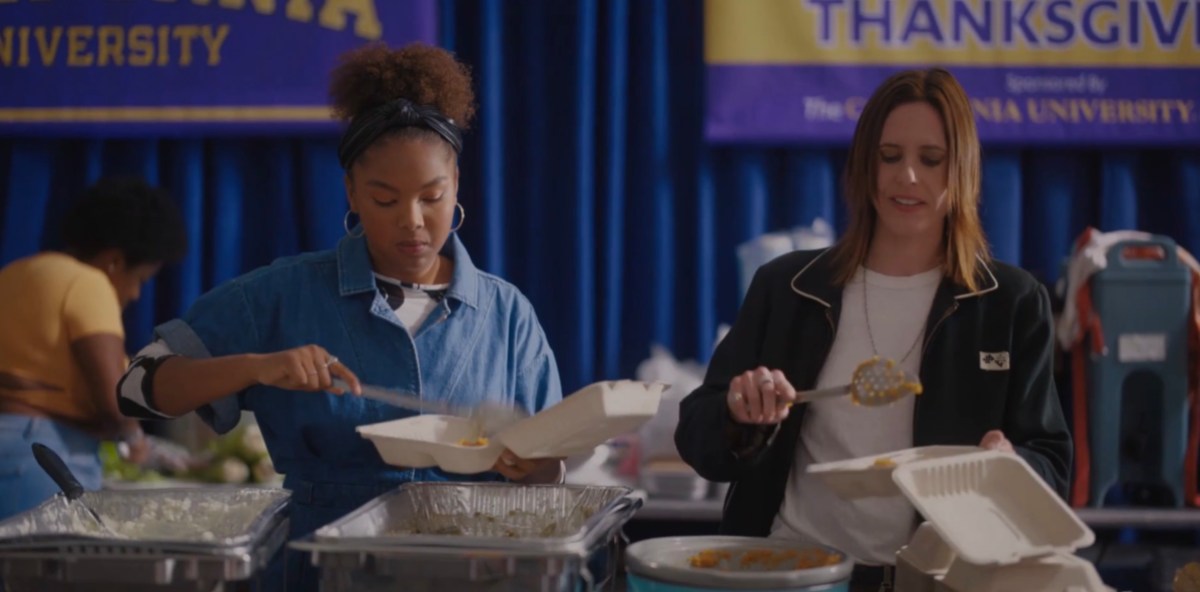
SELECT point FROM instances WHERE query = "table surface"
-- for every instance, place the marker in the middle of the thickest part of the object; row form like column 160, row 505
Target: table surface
column 709, row 510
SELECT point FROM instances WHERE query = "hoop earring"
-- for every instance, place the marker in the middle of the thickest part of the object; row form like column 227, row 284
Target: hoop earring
column 462, row 216
column 349, row 230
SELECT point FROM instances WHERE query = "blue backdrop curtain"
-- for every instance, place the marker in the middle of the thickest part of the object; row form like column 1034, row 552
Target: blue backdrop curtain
column 586, row 182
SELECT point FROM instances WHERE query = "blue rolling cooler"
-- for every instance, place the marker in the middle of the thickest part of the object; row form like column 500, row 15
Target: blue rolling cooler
column 1137, row 390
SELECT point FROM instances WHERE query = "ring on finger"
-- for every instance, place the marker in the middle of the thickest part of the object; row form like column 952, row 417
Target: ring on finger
column 331, row 361
column 737, row 396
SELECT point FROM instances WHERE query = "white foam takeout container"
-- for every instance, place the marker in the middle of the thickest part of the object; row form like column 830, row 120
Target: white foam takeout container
column 1060, row 572
column 432, row 441
column 991, row 508
column 923, row 561
column 582, row 421
column 861, row 477
column 993, row 525
column 999, row 527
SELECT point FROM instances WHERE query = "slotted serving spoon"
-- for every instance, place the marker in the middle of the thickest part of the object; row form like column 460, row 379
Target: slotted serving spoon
column 875, row 382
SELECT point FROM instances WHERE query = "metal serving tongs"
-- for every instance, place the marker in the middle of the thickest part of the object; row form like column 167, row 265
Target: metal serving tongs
column 490, row 417
column 876, row 382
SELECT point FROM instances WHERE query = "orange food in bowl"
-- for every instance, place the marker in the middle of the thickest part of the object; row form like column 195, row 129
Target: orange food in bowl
column 709, row 558
column 764, row 559
column 474, row 442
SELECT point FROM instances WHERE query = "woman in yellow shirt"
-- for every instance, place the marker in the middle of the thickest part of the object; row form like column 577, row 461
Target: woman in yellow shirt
column 62, row 342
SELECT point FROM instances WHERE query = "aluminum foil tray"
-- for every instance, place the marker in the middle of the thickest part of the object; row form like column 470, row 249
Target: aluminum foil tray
column 487, row 515
column 100, row 565
column 190, row 518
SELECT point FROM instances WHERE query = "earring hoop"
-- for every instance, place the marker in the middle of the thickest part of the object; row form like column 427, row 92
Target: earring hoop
column 462, row 216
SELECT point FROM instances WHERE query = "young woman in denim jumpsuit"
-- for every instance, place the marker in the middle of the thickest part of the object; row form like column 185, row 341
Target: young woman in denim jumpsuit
column 272, row 341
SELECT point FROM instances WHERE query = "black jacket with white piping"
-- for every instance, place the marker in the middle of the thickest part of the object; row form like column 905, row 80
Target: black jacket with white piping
column 986, row 365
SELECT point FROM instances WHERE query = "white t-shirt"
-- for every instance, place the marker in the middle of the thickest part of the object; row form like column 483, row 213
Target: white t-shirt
column 412, row 303
column 870, row 530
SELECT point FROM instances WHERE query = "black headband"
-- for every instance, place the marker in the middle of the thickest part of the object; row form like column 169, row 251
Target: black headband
column 366, row 128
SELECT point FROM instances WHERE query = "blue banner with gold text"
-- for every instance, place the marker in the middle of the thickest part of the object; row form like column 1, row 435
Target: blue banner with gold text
column 129, row 67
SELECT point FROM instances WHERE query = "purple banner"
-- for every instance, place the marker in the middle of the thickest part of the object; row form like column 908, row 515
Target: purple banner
column 1012, row 105
column 1036, row 71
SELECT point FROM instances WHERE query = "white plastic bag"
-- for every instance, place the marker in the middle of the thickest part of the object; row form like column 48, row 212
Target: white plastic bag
column 819, row 235
column 657, row 436
column 754, row 253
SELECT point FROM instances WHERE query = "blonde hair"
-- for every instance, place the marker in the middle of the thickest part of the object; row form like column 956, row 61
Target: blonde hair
column 965, row 244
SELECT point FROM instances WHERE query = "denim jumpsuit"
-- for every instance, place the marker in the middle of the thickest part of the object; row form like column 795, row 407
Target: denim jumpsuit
column 482, row 342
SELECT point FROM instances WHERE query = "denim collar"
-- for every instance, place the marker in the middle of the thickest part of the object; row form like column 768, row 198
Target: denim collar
column 356, row 276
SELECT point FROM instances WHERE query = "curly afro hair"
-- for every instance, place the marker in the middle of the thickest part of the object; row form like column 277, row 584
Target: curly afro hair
column 375, row 74
column 128, row 214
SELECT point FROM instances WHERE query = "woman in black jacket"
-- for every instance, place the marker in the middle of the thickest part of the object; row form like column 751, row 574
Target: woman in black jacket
column 912, row 281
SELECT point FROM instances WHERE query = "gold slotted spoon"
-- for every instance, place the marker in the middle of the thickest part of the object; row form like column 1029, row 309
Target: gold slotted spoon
column 875, row 382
